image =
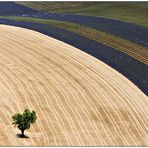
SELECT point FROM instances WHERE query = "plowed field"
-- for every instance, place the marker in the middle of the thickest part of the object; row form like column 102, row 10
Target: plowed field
column 79, row 100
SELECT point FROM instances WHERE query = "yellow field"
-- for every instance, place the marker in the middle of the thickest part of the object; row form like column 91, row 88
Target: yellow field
column 79, row 100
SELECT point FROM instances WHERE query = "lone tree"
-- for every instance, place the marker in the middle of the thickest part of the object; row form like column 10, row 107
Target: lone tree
column 24, row 120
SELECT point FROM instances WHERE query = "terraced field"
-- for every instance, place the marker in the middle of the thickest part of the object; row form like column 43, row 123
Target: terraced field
column 79, row 100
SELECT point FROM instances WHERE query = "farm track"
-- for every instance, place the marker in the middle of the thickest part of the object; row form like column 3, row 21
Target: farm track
column 133, row 69
column 79, row 100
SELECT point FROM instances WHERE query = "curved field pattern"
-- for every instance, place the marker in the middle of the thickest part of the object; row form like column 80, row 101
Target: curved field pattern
column 125, row 30
column 79, row 100
column 131, row 68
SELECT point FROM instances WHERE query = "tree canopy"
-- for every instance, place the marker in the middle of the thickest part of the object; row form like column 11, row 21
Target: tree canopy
column 24, row 120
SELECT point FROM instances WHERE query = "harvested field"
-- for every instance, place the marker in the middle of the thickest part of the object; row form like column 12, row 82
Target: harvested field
column 79, row 100
column 131, row 68
column 132, row 49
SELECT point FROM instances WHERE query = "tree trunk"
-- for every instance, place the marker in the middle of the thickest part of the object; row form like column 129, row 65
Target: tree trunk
column 22, row 133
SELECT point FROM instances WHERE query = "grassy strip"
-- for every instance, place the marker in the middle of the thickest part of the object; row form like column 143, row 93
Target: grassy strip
column 130, row 48
column 133, row 12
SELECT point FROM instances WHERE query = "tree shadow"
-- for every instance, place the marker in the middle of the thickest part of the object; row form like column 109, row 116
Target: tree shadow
column 21, row 136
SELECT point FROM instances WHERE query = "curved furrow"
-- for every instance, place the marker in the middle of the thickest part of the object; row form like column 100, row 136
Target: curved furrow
column 7, row 121
column 131, row 73
column 30, row 53
column 139, row 79
column 74, row 93
column 31, row 95
column 20, row 87
column 27, row 57
column 36, row 102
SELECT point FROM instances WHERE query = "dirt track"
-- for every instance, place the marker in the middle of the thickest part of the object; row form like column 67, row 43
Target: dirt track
column 79, row 100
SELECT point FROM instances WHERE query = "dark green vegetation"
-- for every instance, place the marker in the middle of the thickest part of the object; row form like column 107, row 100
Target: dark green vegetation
column 133, row 12
column 138, row 52
column 24, row 120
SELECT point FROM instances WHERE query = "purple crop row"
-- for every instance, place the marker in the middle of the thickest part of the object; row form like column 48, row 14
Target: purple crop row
column 131, row 68
column 11, row 8
column 124, row 30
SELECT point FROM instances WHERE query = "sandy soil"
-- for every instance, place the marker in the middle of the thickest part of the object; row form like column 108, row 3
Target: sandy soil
column 79, row 100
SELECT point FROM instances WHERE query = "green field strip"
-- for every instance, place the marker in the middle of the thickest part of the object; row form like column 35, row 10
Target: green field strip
column 136, row 51
column 132, row 12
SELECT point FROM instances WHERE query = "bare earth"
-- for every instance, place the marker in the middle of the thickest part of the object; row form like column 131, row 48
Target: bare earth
column 79, row 100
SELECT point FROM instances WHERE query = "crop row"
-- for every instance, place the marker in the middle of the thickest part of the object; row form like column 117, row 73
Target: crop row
column 124, row 30
column 130, row 48
column 127, row 31
column 123, row 63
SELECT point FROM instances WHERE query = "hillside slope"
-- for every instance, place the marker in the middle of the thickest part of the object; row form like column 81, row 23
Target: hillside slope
column 79, row 100
column 12, row 8
column 131, row 68
column 133, row 12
